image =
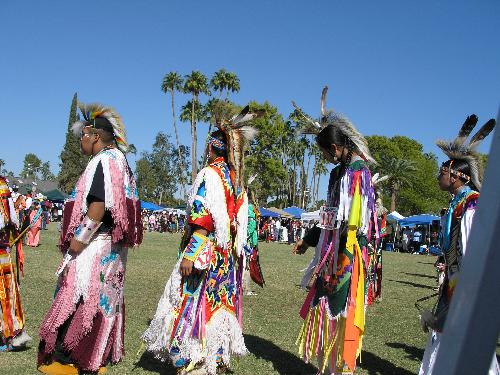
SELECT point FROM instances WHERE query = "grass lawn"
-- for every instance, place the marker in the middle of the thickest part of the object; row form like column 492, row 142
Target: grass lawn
column 393, row 343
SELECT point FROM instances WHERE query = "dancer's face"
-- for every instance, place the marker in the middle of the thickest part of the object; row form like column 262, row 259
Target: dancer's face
column 447, row 181
column 333, row 154
column 87, row 140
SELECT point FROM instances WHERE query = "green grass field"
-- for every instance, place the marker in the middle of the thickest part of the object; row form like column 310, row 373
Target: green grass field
column 393, row 343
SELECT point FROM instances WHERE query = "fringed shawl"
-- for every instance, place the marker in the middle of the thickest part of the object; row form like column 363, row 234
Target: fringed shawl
column 215, row 202
column 121, row 200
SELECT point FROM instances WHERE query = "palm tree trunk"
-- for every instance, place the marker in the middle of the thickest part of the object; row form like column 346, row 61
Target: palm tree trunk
column 393, row 200
column 194, row 161
column 181, row 160
column 317, row 186
column 205, row 148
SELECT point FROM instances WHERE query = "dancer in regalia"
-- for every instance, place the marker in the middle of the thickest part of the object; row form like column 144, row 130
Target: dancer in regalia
column 461, row 176
column 375, row 246
column 84, row 328
column 253, row 269
column 35, row 219
column 12, row 323
column 197, row 325
column 334, row 310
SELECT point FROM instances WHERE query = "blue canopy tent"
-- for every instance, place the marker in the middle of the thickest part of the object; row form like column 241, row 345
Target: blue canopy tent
column 150, row 206
column 424, row 219
column 295, row 211
column 266, row 213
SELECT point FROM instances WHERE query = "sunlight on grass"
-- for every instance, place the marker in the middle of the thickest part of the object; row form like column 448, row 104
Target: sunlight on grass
column 393, row 343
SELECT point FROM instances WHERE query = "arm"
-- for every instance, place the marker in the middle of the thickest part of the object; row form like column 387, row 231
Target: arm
column 95, row 213
column 186, row 267
column 466, row 226
column 311, row 238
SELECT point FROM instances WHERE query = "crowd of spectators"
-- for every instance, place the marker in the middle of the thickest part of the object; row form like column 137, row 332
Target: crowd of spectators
column 282, row 229
column 163, row 221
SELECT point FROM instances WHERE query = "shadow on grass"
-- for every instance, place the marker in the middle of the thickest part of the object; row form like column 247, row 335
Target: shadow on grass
column 426, row 263
column 419, row 275
column 284, row 362
column 150, row 363
column 412, row 352
column 374, row 365
column 416, row 285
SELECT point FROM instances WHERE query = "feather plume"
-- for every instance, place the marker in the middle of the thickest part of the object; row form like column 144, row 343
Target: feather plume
column 310, row 126
column 467, row 127
column 251, row 179
column 323, row 101
column 239, row 133
column 458, row 149
column 482, row 133
column 346, row 127
column 94, row 110
column 376, row 179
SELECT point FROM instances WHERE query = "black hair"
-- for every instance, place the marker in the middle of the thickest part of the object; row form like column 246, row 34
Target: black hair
column 219, row 135
column 331, row 135
column 463, row 167
column 105, row 129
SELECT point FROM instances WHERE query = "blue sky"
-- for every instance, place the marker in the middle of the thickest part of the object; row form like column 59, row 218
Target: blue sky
column 414, row 68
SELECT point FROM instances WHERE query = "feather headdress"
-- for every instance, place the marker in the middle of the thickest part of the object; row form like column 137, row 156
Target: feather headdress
column 92, row 111
column 342, row 123
column 460, row 149
column 238, row 133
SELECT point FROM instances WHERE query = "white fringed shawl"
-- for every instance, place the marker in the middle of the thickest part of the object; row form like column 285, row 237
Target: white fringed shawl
column 215, row 202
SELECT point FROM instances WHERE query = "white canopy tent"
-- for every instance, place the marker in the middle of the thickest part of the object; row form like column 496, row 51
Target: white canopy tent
column 394, row 216
column 308, row 216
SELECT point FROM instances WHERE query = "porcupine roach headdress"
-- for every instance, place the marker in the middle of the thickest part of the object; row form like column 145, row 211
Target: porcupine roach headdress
column 238, row 134
column 460, row 149
column 342, row 123
column 100, row 117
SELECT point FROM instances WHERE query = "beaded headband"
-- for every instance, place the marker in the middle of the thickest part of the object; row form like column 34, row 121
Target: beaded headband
column 217, row 143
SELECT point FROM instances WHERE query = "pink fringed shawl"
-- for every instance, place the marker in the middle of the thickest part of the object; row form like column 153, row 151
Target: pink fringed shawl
column 121, row 200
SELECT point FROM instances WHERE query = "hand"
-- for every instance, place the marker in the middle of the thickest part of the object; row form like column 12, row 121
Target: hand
column 300, row 247
column 75, row 247
column 65, row 272
column 186, row 267
column 427, row 320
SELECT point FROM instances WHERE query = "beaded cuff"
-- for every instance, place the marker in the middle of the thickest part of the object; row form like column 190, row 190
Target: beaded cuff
column 195, row 246
column 86, row 230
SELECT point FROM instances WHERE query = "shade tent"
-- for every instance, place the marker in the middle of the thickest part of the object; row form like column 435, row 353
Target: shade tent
column 424, row 219
column 150, row 206
column 394, row 216
column 307, row 216
column 55, row 195
column 280, row 212
column 294, row 211
column 264, row 212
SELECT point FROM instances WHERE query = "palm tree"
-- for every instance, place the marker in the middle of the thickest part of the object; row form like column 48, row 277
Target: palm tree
column 399, row 172
column 171, row 83
column 224, row 80
column 195, row 84
column 232, row 83
column 2, row 164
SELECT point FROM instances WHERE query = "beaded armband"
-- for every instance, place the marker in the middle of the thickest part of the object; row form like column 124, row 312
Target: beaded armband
column 196, row 245
column 86, row 230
